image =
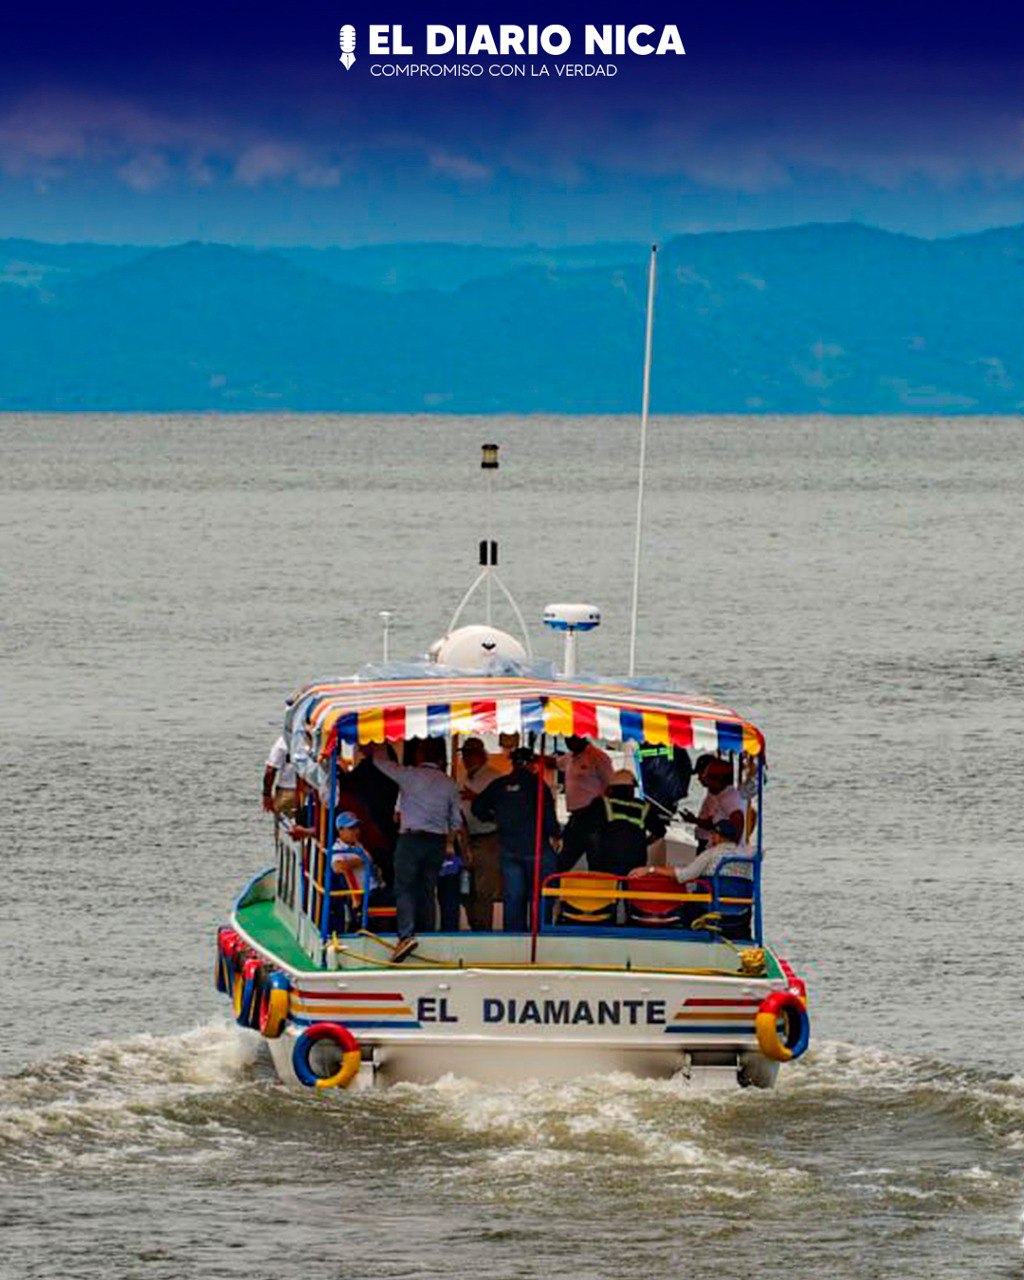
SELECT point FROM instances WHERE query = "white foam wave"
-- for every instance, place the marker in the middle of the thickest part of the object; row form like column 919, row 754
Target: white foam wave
column 125, row 1101
column 993, row 1100
column 615, row 1119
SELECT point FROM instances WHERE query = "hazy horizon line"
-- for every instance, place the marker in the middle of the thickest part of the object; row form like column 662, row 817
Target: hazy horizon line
column 519, row 246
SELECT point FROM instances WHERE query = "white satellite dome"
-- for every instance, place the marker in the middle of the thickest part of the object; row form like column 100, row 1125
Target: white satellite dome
column 476, row 648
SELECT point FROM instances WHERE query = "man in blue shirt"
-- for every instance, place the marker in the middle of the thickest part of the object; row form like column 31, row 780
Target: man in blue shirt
column 428, row 801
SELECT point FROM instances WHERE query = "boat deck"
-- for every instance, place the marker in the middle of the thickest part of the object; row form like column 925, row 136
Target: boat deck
column 608, row 949
column 262, row 923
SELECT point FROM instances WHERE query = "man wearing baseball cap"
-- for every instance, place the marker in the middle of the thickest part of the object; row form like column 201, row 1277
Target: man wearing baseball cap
column 722, row 817
column 353, row 867
column 511, row 803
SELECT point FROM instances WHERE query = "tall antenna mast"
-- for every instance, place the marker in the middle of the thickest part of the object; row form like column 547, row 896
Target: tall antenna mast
column 645, row 404
column 489, row 464
column 488, row 576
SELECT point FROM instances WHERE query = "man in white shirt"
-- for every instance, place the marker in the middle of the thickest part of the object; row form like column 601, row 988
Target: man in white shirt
column 483, row 856
column 279, row 781
column 722, row 818
column 587, row 771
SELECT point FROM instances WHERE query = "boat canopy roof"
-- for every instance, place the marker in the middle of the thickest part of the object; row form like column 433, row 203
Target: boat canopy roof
column 419, row 701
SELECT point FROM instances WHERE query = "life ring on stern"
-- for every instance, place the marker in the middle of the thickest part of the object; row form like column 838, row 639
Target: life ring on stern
column 228, row 943
column 272, row 1005
column 243, row 993
column 785, row 1008
column 351, row 1056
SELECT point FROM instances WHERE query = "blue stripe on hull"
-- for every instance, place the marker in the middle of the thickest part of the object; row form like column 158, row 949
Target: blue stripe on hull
column 356, row 1022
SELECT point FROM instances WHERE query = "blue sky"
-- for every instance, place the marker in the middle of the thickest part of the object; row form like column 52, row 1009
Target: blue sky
column 237, row 123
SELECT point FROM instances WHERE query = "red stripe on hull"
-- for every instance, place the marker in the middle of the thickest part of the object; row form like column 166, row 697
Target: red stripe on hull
column 344, row 996
column 722, row 1004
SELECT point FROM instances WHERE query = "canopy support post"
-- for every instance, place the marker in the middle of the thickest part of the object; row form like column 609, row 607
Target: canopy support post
column 758, row 928
column 328, row 874
column 538, row 839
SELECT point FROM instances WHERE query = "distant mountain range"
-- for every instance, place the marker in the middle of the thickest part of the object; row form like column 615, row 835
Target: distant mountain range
column 837, row 318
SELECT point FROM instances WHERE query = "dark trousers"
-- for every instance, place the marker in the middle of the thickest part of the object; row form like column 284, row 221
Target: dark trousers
column 418, row 858
column 449, row 900
column 517, row 877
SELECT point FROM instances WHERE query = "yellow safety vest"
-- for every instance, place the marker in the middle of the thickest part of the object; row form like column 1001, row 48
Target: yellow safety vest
column 633, row 811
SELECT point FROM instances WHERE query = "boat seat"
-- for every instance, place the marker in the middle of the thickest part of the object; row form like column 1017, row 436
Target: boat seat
column 733, row 878
column 586, row 910
column 347, row 911
column 655, row 912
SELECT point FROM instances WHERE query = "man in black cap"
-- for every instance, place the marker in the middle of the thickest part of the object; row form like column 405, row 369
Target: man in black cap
column 619, row 827
column 512, row 803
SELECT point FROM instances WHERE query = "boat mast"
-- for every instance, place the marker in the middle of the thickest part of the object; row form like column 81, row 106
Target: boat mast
column 652, row 273
column 488, row 577
column 489, row 464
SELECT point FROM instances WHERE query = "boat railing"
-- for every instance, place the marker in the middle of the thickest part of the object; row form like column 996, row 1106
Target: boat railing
column 587, row 891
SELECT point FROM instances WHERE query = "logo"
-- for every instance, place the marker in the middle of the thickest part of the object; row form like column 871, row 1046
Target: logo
column 347, row 41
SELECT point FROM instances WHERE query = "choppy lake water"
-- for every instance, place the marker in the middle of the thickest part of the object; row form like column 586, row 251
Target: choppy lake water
column 854, row 586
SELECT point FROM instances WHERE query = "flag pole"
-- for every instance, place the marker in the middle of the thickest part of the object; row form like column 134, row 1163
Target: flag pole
column 645, row 403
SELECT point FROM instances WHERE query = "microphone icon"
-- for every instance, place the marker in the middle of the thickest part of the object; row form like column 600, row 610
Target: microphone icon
column 347, row 41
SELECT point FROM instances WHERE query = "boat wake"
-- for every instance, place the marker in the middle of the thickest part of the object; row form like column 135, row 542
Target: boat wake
column 141, row 1099
column 209, row 1095
column 845, row 1123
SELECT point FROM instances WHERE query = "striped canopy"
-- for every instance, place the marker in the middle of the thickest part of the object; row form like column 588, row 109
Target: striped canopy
column 352, row 711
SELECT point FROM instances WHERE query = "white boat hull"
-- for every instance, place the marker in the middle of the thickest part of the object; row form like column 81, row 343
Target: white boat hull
column 495, row 1026
column 502, row 1007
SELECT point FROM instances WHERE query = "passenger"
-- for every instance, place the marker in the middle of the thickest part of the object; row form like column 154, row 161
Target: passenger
column 722, row 817
column 279, row 781
column 449, row 890
column 619, row 827
column 374, row 840
column 501, row 760
column 450, row 877
column 483, row 856
column 665, row 772
column 587, row 770
column 430, row 816
column 379, row 793
column 700, row 764
column 511, row 802
column 351, row 870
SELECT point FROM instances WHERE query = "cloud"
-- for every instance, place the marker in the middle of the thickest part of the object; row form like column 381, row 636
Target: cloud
column 46, row 133
column 888, row 134
column 280, row 162
column 50, row 136
column 462, row 168
column 144, row 172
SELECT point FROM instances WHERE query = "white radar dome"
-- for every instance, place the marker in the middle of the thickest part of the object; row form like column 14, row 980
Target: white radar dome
column 476, row 648
column 572, row 617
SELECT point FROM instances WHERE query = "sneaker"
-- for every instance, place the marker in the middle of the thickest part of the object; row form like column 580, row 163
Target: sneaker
column 405, row 947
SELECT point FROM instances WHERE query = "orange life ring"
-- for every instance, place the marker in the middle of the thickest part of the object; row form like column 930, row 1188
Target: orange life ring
column 783, row 1027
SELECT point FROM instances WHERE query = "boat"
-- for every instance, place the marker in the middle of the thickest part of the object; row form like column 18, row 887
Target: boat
column 659, row 969
column 655, row 973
